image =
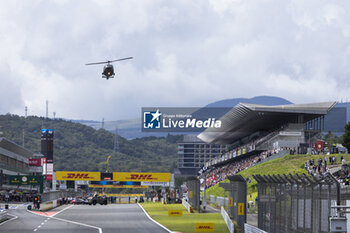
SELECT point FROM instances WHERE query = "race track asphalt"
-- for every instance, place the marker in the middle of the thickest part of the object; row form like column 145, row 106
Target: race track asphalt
column 116, row 218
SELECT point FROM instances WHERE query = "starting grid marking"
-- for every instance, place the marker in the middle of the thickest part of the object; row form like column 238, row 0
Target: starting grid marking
column 60, row 219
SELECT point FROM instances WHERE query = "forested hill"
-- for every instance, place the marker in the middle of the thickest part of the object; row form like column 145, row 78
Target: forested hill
column 81, row 148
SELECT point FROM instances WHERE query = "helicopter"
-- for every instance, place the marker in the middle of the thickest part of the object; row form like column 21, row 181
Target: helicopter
column 108, row 69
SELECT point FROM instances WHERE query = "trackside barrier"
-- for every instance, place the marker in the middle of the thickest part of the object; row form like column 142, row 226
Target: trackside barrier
column 3, row 215
column 212, row 199
column 229, row 223
column 187, row 206
column 219, row 200
column 54, row 195
column 252, row 229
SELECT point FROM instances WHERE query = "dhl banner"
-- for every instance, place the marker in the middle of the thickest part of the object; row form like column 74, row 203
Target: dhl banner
column 240, row 208
column 74, row 175
column 141, row 176
column 173, row 213
column 230, row 201
column 204, row 227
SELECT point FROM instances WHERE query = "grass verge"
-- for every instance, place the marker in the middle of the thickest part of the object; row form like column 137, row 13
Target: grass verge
column 185, row 223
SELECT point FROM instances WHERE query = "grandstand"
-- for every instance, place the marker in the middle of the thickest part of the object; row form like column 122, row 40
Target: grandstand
column 14, row 160
column 259, row 132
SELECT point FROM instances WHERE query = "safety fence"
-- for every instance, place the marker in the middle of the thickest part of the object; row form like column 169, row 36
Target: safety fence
column 187, row 205
column 296, row 203
column 220, row 201
column 228, row 221
column 252, row 229
column 3, row 215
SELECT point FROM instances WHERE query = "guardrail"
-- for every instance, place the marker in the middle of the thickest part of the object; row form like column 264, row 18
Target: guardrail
column 187, row 205
column 54, row 195
column 3, row 215
column 227, row 219
column 252, row 229
column 221, row 201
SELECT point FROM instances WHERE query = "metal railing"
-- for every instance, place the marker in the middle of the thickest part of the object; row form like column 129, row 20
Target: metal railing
column 252, row 229
column 3, row 214
column 187, row 205
column 228, row 221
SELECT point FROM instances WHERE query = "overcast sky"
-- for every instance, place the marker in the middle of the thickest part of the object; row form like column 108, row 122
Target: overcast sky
column 186, row 53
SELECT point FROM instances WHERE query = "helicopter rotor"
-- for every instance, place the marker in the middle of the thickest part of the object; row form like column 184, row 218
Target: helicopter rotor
column 107, row 62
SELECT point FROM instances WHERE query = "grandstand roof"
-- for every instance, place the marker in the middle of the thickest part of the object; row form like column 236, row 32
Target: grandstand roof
column 245, row 119
column 13, row 147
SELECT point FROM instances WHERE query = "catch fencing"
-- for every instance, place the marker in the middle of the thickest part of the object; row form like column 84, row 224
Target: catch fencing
column 220, row 201
column 297, row 203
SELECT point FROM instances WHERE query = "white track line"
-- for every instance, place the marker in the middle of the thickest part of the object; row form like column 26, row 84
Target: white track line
column 78, row 223
column 14, row 217
column 62, row 210
column 65, row 220
column 153, row 219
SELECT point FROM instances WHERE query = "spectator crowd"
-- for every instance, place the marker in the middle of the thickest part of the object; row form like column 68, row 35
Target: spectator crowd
column 215, row 175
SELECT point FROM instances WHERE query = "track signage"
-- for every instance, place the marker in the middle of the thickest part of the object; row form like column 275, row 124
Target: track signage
column 151, row 183
column 173, row 213
column 35, row 162
column 230, row 201
column 138, row 176
column 77, row 175
column 204, row 227
column 27, row 180
column 240, row 208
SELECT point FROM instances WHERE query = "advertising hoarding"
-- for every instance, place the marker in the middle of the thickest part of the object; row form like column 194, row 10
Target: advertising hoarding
column 141, row 176
column 35, row 162
column 78, row 175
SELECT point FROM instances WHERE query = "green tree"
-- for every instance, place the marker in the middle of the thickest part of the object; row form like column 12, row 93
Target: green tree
column 330, row 139
column 346, row 137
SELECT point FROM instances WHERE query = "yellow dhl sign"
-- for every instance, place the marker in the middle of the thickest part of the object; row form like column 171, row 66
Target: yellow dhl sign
column 230, row 201
column 173, row 213
column 123, row 195
column 74, row 175
column 240, row 208
column 141, row 176
column 204, row 227
column 117, row 186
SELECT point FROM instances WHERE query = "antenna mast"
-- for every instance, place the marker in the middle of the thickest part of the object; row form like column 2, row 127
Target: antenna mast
column 47, row 109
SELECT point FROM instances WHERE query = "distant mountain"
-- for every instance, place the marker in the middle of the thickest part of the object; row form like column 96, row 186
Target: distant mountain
column 131, row 128
column 78, row 147
column 264, row 100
